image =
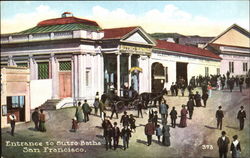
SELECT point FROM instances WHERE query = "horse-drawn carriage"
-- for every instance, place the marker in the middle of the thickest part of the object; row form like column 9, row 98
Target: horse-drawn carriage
column 126, row 103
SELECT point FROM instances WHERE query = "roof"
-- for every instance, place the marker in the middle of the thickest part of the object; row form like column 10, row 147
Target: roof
column 234, row 26
column 185, row 49
column 57, row 28
column 67, row 20
column 226, row 45
column 117, row 33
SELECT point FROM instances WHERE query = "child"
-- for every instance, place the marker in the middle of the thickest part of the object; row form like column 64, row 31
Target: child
column 132, row 122
column 74, row 124
column 158, row 132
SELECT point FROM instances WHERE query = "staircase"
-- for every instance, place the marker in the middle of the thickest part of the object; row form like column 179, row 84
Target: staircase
column 50, row 104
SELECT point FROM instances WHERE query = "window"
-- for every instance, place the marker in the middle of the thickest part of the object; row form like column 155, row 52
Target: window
column 166, row 73
column 231, row 67
column 43, row 70
column 245, row 67
column 206, row 71
column 22, row 64
column 65, row 65
column 15, row 102
column 218, row 71
column 87, row 78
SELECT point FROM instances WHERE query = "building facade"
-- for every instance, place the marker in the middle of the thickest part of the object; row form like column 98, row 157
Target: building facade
column 233, row 46
column 72, row 59
column 15, row 94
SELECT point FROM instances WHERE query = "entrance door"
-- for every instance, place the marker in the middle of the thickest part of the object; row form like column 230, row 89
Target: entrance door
column 65, row 84
column 181, row 71
column 158, row 77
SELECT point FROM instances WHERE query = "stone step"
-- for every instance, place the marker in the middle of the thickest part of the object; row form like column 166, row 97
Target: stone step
column 50, row 104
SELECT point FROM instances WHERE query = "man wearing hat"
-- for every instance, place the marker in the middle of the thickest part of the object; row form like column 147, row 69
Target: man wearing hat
column 219, row 116
column 222, row 143
column 149, row 131
column 241, row 116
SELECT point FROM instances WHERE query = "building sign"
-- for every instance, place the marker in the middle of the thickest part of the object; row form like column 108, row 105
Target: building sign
column 135, row 50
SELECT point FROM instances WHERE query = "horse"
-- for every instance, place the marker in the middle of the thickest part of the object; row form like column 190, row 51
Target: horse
column 147, row 97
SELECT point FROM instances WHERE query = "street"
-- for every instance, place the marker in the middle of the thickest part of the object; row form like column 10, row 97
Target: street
column 197, row 140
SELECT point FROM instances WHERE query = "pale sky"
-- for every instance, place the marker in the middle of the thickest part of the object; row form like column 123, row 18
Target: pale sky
column 205, row 18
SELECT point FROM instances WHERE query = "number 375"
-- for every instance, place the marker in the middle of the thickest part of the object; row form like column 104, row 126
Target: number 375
column 207, row 147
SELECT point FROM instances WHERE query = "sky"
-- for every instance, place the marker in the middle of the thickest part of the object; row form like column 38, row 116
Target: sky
column 204, row 18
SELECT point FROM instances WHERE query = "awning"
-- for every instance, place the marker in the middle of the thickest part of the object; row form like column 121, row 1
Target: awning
column 135, row 69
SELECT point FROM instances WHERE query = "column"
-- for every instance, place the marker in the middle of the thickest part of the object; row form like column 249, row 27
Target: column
column 84, row 75
column 118, row 73
column 54, row 75
column 72, row 77
column 129, row 67
column 149, row 75
column 76, row 76
column 80, row 67
column 98, row 74
column 32, row 68
column 93, row 70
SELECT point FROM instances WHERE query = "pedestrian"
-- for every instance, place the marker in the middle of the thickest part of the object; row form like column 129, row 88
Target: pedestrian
column 183, row 87
column 166, row 134
column 173, row 116
column 151, row 114
column 107, row 133
column 204, row 98
column 235, row 148
column 79, row 115
column 35, row 118
column 241, row 81
column 176, row 89
column 231, row 84
column 222, row 143
column 190, row 107
column 132, row 122
column 96, row 105
column 116, row 135
column 172, row 89
column 241, row 116
column 42, row 121
column 190, row 88
column 184, row 112
column 219, row 116
column 149, row 131
column 114, row 110
column 125, row 119
column 139, row 108
column 74, row 124
column 102, row 108
column 155, row 118
column 164, row 110
column 209, row 88
column 158, row 132
column 197, row 98
column 125, row 135
column 86, row 110
column 13, row 119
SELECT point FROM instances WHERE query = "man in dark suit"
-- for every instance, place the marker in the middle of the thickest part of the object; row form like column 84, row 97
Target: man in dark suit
column 204, row 98
column 116, row 135
column 172, row 88
column 241, row 116
column 173, row 116
column 219, row 116
column 176, row 89
column 125, row 119
column 222, row 143
column 190, row 107
column 12, row 123
column 149, row 131
column 197, row 98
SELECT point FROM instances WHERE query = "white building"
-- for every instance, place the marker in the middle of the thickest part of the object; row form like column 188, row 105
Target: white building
column 71, row 58
column 233, row 46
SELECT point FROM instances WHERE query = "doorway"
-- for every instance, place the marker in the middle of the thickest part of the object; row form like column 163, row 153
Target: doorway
column 181, row 71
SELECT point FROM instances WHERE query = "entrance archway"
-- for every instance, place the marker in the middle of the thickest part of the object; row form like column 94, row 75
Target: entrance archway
column 158, row 77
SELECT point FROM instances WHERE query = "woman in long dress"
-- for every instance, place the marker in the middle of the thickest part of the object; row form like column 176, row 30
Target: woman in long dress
column 184, row 112
column 79, row 113
column 165, row 133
